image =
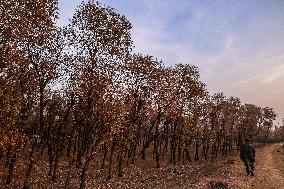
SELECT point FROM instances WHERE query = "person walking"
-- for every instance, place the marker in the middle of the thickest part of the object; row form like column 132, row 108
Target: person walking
column 247, row 155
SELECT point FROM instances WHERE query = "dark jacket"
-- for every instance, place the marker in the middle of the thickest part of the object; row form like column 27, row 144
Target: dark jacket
column 247, row 153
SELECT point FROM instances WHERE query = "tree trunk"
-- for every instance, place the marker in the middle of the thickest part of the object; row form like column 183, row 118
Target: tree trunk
column 29, row 170
column 11, row 169
column 110, row 159
column 119, row 158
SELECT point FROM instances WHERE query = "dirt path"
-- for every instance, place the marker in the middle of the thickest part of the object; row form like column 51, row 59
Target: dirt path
column 269, row 168
column 229, row 173
column 269, row 173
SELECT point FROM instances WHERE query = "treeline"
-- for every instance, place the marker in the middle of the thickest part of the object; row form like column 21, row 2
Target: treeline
column 78, row 94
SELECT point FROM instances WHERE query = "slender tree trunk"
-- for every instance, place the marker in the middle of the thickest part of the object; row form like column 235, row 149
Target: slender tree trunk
column 110, row 159
column 41, row 108
column 104, row 156
column 56, row 159
column 119, row 159
column 196, row 157
column 11, row 168
column 165, row 148
column 83, row 177
column 29, row 170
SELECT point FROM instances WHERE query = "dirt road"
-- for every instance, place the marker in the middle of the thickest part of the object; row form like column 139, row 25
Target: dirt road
column 229, row 173
column 269, row 173
column 270, row 168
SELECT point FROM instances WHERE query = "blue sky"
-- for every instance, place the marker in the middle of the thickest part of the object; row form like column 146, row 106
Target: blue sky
column 237, row 45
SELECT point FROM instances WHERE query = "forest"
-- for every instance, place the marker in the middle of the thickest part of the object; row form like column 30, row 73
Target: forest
column 78, row 97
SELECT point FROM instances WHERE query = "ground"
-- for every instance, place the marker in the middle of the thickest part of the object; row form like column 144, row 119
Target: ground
column 269, row 168
column 222, row 173
column 269, row 173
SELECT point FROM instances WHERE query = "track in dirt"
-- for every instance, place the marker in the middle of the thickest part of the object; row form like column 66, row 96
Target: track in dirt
column 270, row 168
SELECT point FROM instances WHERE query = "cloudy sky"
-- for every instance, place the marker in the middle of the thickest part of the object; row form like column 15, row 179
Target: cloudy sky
column 237, row 45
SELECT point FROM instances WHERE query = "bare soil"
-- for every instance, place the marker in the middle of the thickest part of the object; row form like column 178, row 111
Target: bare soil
column 269, row 172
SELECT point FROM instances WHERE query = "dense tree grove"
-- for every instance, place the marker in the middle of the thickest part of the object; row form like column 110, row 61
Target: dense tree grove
column 78, row 95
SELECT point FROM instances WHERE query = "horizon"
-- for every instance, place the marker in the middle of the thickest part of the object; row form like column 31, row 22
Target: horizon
column 237, row 46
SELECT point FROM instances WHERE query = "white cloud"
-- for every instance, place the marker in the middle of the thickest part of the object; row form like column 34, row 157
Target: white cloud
column 275, row 74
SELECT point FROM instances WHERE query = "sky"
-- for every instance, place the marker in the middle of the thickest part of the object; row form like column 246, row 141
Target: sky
column 238, row 46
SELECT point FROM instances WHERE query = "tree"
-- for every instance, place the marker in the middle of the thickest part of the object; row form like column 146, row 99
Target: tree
column 268, row 116
column 101, row 41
